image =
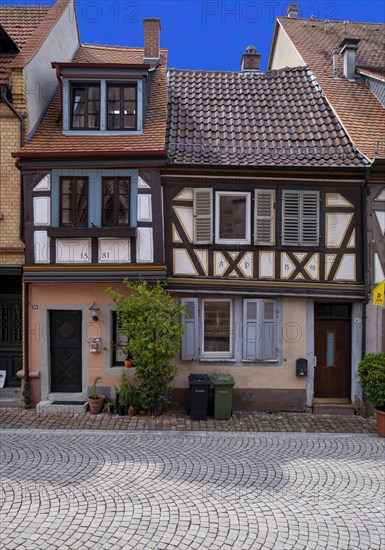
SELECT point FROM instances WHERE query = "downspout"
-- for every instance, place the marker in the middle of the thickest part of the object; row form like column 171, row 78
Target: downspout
column 364, row 197
column 27, row 381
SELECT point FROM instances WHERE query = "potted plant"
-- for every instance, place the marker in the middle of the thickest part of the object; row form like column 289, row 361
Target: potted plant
column 128, row 360
column 108, row 407
column 124, row 399
column 95, row 400
column 372, row 375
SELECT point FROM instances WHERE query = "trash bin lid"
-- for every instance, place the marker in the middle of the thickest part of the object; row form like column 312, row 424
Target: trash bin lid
column 223, row 379
column 199, row 379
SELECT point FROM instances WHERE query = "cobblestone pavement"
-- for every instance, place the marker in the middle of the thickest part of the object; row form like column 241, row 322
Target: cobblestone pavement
column 143, row 490
column 240, row 422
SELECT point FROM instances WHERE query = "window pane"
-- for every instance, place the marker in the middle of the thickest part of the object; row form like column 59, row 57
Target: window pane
column 217, row 326
column 113, row 122
column 74, row 201
column 129, row 121
column 232, row 224
column 129, row 93
column 331, row 344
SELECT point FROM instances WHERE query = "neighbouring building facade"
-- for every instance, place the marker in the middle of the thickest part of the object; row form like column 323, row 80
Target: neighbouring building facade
column 348, row 61
column 92, row 217
column 263, row 197
column 29, row 36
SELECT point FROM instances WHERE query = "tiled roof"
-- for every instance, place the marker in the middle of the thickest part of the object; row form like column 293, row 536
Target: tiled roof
column 274, row 118
column 28, row 27
column 359, row 110
column 49, row 140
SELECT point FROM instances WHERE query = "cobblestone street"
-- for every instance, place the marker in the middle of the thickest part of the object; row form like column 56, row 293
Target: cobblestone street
column 162, row 490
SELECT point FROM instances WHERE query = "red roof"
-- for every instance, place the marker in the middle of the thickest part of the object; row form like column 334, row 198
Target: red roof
column 357, row 107
column 49, row 140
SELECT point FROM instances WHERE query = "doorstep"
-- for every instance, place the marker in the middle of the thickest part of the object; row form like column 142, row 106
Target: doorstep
column 333, row 409
column 58, row 407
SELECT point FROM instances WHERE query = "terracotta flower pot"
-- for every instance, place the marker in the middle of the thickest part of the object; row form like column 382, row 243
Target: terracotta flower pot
column 128, row 363
column 96, row 403
column 380, row 422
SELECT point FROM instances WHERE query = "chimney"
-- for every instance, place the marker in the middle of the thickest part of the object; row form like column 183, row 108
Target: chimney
column 151, row 40
column 250, row 60
column 292, row 10
column 348, row 51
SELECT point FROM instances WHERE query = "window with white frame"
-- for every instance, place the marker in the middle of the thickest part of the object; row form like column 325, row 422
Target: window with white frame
column 119, row 341
column 232, row 217
column 300, row 217
column 244, row 330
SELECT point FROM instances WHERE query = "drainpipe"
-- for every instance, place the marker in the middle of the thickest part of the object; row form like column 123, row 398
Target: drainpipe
column 15, row 112
column 365, row 194
column 27, row 381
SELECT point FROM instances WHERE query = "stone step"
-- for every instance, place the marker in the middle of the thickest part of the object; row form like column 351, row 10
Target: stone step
column 333, row 409
column 11, row 397
column 52, row 407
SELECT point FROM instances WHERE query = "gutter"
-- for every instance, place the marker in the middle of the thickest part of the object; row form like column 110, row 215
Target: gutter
column 15, row 112
column 27, row 381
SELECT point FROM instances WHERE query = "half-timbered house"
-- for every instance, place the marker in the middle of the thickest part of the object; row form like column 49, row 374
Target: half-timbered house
column 92, row 212
column 263, row 197
column 347, row 59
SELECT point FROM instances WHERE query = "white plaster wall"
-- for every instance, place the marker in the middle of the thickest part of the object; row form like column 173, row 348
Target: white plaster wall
column 374, row 328
column 41, row 81
column 285, row 54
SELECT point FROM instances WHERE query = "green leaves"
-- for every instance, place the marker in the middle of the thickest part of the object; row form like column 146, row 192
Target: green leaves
column 372, row 374
column 150, row 320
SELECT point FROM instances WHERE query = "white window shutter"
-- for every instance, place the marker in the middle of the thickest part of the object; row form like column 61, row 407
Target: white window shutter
column 310, row 218
column 190, row 337
column 203, row 215
column 264, row 217
column 291, row 217
column 269, row 330
column 251, row 330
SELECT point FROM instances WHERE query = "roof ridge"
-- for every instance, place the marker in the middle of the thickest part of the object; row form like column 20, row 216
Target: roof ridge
column 31, row 47
column 330, row 20
column 254, row 73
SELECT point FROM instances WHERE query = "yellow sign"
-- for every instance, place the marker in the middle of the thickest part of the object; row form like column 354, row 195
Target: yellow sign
column 378, row 294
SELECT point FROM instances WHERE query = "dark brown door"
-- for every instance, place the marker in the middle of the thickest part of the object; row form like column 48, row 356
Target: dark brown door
column 10, row 340
column 66, row 351
column 332, row 351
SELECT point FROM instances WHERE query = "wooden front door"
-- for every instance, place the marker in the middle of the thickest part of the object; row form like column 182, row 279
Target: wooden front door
column 11, row 339
column 66, row 351
column 332, row 352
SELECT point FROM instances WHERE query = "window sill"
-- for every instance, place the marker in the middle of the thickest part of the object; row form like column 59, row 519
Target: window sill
column 260, row 361
column 101, row 132
column 76, row 232
column 216, row 360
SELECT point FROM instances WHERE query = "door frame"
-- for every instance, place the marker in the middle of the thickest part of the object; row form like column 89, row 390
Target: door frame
column 45, row 354
column 356, row 313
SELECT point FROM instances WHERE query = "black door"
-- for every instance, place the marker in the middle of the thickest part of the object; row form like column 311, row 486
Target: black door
column 11, row 340
column 66, row 351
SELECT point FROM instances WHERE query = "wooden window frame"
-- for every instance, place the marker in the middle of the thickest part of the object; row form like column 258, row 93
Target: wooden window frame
column 74, row 209
column 215, row 354
column 85, row 85
column 116, row 202
column 247, row 196
column 121, row 106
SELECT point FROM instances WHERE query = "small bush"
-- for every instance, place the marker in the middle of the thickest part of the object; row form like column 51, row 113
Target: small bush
column 372, row 375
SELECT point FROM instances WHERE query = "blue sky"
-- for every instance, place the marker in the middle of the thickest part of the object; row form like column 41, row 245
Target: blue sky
column 209, row 35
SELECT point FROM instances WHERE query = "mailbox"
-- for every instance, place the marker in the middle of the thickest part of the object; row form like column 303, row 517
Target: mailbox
column 301, row 367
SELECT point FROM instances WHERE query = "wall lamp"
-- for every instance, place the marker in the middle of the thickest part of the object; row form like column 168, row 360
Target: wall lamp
column 94, row 309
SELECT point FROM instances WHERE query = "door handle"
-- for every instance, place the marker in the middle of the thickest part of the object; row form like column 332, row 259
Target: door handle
column 315, row 361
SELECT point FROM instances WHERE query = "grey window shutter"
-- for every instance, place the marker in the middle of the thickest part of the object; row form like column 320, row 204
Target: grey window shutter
column 264, row 217
column 291, row 217
column 251, row 330
column 190, row 342
column 269, row 330
column 310, row 218
column 203, row 216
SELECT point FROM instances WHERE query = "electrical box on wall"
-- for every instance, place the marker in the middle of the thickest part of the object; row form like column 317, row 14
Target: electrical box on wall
column 95, row 344
column 301, row 367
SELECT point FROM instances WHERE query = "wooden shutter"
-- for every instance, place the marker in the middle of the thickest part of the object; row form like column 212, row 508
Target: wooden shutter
column 310, row 218
column 291, row 217
column 252, row 331
column 191, row 334
column 269, row 330
column 264, row 217
column 203, row 216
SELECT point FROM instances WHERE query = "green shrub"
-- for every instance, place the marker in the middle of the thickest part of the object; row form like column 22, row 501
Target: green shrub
column 372, row 375
column 150, row 320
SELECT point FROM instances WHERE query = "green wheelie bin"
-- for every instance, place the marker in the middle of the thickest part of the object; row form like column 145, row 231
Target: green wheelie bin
column 223, row 395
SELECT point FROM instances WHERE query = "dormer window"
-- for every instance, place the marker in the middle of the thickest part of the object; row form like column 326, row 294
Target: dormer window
column 85, row 107
column 121, row 110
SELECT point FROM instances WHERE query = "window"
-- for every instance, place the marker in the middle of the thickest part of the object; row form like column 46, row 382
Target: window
column 74, row 202
column 243, row 330
column 217, row 328
column 300, row 218
column 85, row 107
column 116, row 201
column 232, row 217
column 118, row 341
column 121, row 110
